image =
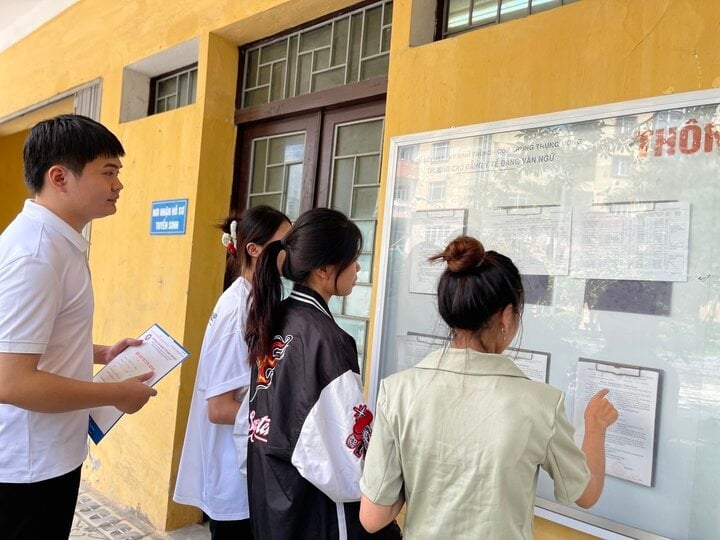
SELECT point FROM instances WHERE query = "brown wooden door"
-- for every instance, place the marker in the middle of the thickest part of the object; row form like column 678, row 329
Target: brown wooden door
column 329, row 158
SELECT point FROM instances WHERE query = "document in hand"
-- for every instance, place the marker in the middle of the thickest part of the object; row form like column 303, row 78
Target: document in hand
column 159, row 353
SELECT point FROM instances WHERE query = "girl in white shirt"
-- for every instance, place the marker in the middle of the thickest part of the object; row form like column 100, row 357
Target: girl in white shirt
column 209, row 476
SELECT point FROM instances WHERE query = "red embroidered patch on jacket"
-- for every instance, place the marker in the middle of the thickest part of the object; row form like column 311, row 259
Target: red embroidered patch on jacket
column 359, row 439
column 266, row 365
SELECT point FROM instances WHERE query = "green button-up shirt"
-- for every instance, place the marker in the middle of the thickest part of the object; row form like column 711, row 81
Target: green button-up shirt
column 465, row 433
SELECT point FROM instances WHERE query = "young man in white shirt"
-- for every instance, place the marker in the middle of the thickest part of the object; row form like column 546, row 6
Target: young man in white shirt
column 46, row 311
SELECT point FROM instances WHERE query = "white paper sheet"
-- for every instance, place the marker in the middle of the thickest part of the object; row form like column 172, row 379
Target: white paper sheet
column 629, row 442
column 431, row 232
column 414, row 347
column 640, row 241
column 159, row 353
column 534, row 364
column 537, row 239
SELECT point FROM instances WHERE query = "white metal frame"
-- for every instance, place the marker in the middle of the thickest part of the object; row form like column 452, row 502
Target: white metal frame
column 552, row 511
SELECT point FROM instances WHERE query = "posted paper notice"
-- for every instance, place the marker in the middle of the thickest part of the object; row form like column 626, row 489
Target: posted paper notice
column 629, row 442
column 159, row 353
column 633, row 241
column 431, row 230
column 537, row 238
column 414, row 347
column 534, row 364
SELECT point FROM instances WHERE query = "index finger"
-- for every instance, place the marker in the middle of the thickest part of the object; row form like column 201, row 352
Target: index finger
column 601, row 394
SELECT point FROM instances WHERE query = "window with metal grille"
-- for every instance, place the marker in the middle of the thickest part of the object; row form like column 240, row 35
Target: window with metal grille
column 349, row 48
column 462, row 15
column 173, row 90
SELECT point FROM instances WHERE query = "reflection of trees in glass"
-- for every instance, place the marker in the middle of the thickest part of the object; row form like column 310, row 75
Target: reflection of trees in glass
column 614, row 160
column 548, row 161
column 538, row 289
column 693, row 177
column 579, row 164
column 576, row 157
column 582, row 156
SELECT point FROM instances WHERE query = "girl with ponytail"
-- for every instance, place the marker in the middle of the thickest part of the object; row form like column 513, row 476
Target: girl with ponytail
column 309, row 424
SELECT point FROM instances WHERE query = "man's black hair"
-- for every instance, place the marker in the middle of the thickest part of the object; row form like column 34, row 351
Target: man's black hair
column 70, row 140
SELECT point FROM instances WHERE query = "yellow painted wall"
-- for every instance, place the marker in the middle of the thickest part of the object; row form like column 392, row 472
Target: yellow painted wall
column 173, row 280
column 591, row 52
column 187, row 153
column 547, row 530
column 588, row 53
column 99, row 37
column 140, row 279
column 12, row 139
column 212, row 201
column 13, row 188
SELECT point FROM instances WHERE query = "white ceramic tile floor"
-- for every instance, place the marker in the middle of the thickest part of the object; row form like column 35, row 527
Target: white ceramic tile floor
column 98, row 518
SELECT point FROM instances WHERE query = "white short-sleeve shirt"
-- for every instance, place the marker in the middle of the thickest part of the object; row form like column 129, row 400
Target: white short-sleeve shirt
column 209, row 476
column 46, row 308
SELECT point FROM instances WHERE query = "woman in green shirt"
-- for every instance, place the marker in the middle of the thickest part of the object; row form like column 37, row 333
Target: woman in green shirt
column 461, row 436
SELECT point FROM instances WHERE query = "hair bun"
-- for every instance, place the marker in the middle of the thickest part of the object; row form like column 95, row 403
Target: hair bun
column 463, row 254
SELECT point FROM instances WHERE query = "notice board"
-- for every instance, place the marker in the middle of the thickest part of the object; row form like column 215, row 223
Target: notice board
column 612, row 215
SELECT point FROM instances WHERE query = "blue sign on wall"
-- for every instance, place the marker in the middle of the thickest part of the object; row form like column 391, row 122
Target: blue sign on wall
column 168, row 217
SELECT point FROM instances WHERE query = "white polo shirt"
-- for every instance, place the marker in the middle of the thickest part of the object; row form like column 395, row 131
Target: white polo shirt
column 46, row 308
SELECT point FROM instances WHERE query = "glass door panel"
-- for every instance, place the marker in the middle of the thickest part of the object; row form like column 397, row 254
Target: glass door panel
column 353, row 174
column 277, row 164
column 288, row 165
column 277, row 170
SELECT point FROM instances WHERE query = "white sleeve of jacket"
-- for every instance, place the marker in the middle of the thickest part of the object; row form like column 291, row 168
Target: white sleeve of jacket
column 330, row 450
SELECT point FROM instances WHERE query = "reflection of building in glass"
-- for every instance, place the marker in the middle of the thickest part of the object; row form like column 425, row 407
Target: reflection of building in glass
column 604, row 160
column 621, row 165
column 408, row 153
column 437, row 234
column 440, row 151
column 566, row 167
column 402, row 192
column 436, row 191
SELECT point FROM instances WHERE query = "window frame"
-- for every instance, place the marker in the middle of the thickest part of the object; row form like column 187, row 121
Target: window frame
column 167, row 75
column 440, row 151
column 246, row 113
column 436, row 191
column 310, row 124
column 443, row 10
